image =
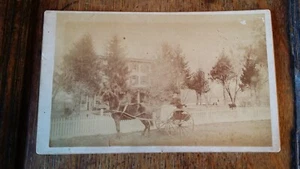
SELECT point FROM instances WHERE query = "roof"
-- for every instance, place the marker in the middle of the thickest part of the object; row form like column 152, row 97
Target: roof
column 140, row 60
column 132, row 59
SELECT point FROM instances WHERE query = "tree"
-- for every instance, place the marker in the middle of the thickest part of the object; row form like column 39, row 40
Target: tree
column 181, row 71
column 254, row 75
column 60, row 81
column 80, row 71
column 116, row 70
column 223, row 73
column 236, row 89
column 260, row 48
column 198, row 83
column 168, row 73
column 250, row 73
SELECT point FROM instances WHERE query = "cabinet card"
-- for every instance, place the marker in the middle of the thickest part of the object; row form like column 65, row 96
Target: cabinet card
column 129, row 82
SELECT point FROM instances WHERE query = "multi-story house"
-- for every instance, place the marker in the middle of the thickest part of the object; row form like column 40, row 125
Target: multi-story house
column 139, row 70
column 139, row 76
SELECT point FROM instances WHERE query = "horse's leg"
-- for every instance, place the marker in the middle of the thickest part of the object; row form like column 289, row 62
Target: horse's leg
column 117, row 122
column 147, row 127
column 148, row 122
column 143, row 133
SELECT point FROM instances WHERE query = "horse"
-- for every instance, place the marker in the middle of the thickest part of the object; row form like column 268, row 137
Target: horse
column 129, row 112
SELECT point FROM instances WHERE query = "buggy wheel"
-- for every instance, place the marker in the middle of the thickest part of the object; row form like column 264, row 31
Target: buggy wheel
column 183, row 127
column 160, row 125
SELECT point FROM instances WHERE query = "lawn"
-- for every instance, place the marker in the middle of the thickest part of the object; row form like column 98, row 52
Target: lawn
column 243, row 133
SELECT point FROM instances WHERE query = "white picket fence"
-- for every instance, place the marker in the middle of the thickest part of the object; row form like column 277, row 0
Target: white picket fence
column 230, row 116
column 90, row 125
column 214, row 115
column 104, row 125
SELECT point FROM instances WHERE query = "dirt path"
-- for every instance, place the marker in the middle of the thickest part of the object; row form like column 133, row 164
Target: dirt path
column 250, row 133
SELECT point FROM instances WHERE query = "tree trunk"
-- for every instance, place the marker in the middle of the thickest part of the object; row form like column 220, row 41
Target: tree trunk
column 257, row 100
column 234, row 97
column 236, row 89
column 88, row 102
column 197, row 100
column 200, row 98
column 54, row 93
column 78, row 102
column 230, row 96
column 235, row 94
column 224, row 96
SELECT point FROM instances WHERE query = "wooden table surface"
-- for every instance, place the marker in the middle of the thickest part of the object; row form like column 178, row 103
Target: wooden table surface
column 20, row 43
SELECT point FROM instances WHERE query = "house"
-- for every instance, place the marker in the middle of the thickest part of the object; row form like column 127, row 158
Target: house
column 139, row 76
column 139, row 72
column 139, row 69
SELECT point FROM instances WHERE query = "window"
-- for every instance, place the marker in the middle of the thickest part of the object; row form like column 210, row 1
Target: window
column 134, row 67
column 134, row 80
column 144, row 80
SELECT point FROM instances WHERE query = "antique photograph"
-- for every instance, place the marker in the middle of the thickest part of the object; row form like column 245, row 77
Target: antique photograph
column 117, row 82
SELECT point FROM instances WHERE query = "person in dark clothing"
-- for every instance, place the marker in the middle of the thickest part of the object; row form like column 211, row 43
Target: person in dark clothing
column 176, row 101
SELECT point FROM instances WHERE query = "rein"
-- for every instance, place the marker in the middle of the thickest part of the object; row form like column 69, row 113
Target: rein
column 124, row 108
column 135, row 117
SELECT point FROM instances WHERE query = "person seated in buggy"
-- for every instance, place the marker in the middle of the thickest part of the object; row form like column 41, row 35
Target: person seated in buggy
column 179, row 113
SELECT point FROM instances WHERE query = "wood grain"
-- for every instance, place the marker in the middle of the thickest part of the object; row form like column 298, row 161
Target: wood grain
column 21, row 36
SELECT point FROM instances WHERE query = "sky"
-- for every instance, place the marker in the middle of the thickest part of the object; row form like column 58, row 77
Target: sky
column 202, row 38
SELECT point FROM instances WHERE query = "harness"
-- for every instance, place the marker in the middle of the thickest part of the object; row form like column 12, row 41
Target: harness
column 134, row 117
column 124, row 109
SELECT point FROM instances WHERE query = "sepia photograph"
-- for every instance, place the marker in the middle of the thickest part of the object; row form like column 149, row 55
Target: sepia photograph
column 117, row 82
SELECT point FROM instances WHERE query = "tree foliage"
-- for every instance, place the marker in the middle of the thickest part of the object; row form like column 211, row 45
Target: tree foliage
column 168, row 74
column 223, row 73
column 250, row 73
column 254, row 75
column 79, row 73
column 80, row 69
column 260, row 47
column 116, row 69
column 199, row 84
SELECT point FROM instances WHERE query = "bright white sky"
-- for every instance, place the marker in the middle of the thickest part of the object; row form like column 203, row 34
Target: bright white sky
column 202, row 38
